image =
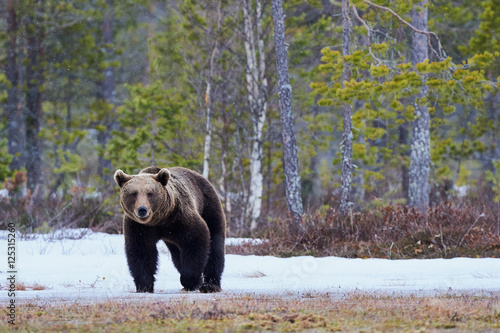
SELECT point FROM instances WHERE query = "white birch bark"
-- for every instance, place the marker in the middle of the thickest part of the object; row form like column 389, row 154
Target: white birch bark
column 208, row 95
column 257, row 98
column 222, row 182
column 208, row 133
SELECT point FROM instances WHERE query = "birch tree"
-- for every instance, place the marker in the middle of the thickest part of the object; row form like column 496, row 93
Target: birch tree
column 290, row 158
column 257, row 99
column 208, row 93
column 208, row 132
column 347, row 137
column 420, row 141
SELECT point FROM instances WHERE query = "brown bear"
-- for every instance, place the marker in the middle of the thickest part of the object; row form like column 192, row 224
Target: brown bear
column 180, row 207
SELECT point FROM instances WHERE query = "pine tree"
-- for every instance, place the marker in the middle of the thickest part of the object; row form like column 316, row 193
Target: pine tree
column 149, row 120
column 35, row 32
column 106, row 87
column 347, row 136
column 15, row 117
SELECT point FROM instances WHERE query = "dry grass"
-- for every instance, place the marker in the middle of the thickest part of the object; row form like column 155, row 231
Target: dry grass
column 250, row 313
column 37, row 286
column 21, row 286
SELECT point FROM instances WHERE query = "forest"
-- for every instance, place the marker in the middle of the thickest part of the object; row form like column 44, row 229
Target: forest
column 395, row 116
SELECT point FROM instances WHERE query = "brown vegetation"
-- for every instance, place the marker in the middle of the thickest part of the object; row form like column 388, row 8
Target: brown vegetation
column 250, row 313
column 394, row 232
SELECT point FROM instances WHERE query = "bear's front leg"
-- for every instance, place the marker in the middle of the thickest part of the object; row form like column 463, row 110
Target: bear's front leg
column 192, row 268
column 194, row 256
column 142, row 255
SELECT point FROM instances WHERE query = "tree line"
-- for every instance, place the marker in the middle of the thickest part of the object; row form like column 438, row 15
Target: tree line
column 378, row 101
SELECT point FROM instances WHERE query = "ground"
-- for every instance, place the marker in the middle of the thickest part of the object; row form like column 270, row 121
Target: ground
column 79, row 280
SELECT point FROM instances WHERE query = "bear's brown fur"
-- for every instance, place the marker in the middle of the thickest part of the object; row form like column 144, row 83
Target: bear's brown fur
column 180, row 207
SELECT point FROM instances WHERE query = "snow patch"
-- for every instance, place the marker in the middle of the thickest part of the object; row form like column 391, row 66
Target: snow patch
column 81, row 264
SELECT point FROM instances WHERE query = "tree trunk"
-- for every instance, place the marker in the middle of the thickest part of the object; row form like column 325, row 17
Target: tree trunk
column 315, row 193
column 15, row 118
column 208, row 92
column 223, row 181
column 150, row 56
column 208, row 132
column 107, row 90
column 242, row 200
column 290, row 158
column 420, row 141
column 491, row 154
column 153, row 138
column 257, row 98
column 345, row 190
column 269, row 167
column 403, row 140
column 33, row 118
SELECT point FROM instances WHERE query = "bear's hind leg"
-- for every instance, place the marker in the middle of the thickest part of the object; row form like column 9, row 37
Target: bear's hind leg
column 215, row 265
column 142, row 255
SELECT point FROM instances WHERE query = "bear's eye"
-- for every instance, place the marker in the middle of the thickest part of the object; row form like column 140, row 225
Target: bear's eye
column 150, row 194
column 134, row 194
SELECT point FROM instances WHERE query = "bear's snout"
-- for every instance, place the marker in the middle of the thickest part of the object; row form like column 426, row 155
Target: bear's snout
column 142, row 212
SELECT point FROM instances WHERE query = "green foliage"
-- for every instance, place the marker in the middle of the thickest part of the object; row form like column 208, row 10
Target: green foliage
column 150, row 120
column 381, row 91
column 5, row 159
column 71, row 163
column 487, row 34
column 494, row 178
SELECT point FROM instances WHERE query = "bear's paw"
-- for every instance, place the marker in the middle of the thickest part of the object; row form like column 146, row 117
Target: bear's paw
column 210, row 288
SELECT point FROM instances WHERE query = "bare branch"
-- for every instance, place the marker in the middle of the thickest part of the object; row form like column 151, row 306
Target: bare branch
column 66, row 25
column 369, row 30
column 439, row 54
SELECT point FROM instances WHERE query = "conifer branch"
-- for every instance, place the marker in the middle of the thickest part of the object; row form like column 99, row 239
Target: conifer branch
column 439, row 54
column 369, row 30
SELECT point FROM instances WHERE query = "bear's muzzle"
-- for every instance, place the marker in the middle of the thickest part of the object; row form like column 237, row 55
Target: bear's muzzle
column 142, row 212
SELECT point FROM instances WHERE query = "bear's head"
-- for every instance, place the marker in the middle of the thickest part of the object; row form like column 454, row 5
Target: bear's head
column 142, row 195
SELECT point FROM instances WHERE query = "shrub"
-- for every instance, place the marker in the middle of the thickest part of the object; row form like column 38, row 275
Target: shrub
column 394, row 232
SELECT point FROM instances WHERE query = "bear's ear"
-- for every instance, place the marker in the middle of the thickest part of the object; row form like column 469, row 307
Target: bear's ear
column 162, row 176
column 121, row 177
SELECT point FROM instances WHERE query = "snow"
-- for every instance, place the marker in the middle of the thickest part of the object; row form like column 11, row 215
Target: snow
column 83, row 265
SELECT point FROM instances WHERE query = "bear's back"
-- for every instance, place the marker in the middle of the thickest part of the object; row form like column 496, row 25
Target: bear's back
column 203, row 194
column 200, row 189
